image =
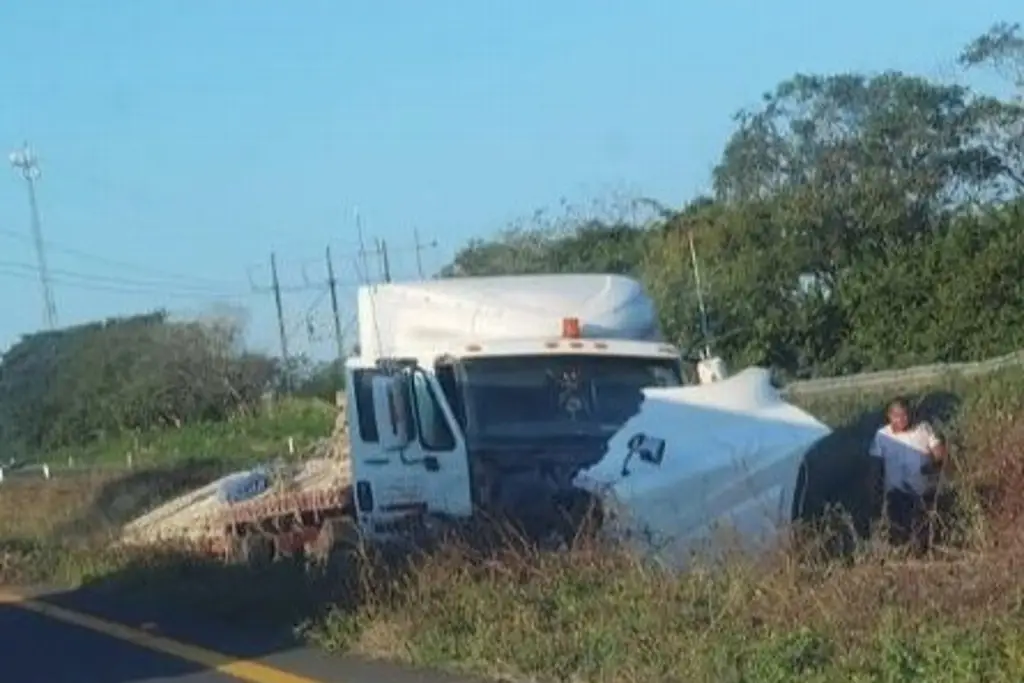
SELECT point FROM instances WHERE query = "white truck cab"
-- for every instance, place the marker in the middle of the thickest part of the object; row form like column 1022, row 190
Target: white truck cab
column 491, row 393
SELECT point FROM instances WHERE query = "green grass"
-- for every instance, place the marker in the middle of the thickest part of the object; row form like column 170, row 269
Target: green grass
column 244, row 439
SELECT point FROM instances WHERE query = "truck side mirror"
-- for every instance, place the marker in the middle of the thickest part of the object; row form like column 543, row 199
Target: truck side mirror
column 391, row 411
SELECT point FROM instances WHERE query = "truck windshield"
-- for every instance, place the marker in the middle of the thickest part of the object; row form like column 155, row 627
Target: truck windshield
column 551, row 396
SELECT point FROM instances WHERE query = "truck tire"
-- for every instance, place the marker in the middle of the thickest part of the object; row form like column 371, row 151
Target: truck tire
column 257, row 550
column 234, row 552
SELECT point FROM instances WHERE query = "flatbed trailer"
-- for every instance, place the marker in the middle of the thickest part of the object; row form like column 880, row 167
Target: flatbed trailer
column 304, row 514
column 285, row 524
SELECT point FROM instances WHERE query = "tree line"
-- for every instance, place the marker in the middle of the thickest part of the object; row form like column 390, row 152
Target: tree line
column 857, row 222
column 82, row 383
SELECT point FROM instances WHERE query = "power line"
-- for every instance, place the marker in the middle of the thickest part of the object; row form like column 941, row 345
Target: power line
column 117, row 190
column 30, row 274
column 356, row 257
column 309, row 284
column 170, row 275
column 116, row 284
column 323, row 288
column 129, row 282
column 306, row 318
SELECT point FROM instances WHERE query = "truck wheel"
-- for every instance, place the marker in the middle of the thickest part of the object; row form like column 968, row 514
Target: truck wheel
column 318, row 551
column 257, row 549
column 234, row 550
column 335, row 535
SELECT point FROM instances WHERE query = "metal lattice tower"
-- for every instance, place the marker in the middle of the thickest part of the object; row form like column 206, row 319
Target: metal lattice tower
column 25, row 162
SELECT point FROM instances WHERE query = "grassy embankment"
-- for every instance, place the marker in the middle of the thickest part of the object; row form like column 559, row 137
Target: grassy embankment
column 602, row 616
column 58, row 531
column 243, row 440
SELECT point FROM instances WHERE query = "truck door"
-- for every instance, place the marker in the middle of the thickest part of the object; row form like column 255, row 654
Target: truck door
column 428, row 472
column 439, row 449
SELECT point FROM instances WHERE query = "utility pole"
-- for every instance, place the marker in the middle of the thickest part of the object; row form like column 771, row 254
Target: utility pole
column 362, row 248
column 333, row 284
column 25, row 162
column 420, row 247
column 417, row 247
column 382, row 254
column 280, row 318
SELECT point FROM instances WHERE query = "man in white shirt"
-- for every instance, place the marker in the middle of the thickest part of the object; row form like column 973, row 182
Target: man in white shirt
column 912, row 457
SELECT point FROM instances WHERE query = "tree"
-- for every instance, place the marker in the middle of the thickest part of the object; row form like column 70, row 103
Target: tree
column 81, row 383
column 850, row 174
column 599, row 239
column 1001, row 49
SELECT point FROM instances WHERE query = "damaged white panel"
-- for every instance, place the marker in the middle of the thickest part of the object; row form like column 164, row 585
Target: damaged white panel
column 710, row 463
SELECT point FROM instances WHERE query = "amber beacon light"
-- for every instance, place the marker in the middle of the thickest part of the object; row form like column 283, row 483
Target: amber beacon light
column 571, row 328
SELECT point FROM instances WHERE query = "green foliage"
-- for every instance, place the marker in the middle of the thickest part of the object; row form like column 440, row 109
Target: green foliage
column 591, row 247
column 104, row 379
column 313, row 379
column 242, row 439
column 1002, row 48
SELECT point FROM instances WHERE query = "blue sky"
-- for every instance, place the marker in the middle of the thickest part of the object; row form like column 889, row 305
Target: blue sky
column 182, row 142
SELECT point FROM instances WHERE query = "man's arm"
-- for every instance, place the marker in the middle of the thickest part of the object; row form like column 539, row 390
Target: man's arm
column 875, row 448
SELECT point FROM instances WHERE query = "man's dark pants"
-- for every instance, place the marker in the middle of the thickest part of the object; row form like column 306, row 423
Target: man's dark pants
column 909, row 516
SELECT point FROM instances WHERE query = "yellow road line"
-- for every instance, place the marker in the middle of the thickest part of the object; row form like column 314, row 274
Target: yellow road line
column 246, row 670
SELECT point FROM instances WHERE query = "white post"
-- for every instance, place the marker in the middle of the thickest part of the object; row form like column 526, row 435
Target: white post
column 291, row 445
column 129, row 460
column 46, row 471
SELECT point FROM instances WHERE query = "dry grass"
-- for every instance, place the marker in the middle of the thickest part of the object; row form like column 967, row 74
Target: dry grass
column 599, row 616
column 59, row 531
column 596, row 614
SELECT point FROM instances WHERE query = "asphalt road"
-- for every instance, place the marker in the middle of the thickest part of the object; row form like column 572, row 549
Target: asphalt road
column 68, row 638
